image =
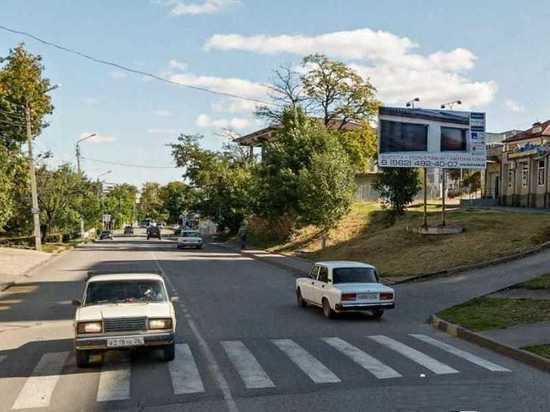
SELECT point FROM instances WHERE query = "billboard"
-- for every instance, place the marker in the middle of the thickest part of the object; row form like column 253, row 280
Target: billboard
column 431, row 138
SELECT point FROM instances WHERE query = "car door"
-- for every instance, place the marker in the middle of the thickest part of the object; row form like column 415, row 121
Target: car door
column 308, row 286
column 321, row 284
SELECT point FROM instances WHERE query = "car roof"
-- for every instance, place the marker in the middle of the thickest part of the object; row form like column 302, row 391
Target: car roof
column 125, row 276
column 334, row 264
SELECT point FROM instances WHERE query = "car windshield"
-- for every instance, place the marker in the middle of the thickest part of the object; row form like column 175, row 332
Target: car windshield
column 191, row 234
column 354, row 275
column 125, row 291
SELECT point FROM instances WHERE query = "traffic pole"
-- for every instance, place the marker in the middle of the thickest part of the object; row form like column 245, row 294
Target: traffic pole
column 426, row 198
column 444, row 182
column 34, row 193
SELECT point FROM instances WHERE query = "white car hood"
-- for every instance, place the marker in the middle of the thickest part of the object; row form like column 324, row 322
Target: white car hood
column 363, row 287
column 124, row 310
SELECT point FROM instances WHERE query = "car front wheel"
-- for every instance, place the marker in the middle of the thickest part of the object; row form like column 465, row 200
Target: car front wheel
column 82, row 358
column 169, row 352
column 327, row 310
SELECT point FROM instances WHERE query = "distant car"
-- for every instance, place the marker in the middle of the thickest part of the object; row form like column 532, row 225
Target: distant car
column 128, row 230
column 342, row 286
column 106, row 234
column 190, row 238
column 124, row 311
column 153, row 231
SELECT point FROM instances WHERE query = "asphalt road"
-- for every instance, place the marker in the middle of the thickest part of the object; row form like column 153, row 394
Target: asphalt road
column 244, row 345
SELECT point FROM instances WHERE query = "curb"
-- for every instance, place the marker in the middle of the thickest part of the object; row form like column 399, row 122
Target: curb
column 520, row 355
column 465, row 268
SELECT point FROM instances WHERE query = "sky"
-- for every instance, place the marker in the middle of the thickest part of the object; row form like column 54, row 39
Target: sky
column 490, row 54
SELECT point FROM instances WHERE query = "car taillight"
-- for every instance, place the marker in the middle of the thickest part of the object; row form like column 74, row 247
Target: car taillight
column 386, row 296
column 349, row 296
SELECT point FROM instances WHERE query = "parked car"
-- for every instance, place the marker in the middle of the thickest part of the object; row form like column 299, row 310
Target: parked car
column 342, row 286
column 106, row 234
column 128, row 230
column 190, row 238
column 124, row 311
column 153, row 231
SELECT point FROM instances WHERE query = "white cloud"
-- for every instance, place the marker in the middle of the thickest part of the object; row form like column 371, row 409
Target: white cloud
column 389, row 61
column 98, row 138
column 162, row 131
column 174, row 64
column 514, row 106
column 91, row 101
column 203, row 120
column 231, row 105
column 118, row 74
column 163, row 113
column 180, row 8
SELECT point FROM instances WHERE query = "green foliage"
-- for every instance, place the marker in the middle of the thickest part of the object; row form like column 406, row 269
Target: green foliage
column 12, row 171
column 21, row 84
column 120, row 204
column 150, row 203
column 176, row 198
column 361, row 145
column 398, row 187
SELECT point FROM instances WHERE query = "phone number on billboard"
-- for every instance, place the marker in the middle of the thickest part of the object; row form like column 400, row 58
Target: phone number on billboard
column 448, row 164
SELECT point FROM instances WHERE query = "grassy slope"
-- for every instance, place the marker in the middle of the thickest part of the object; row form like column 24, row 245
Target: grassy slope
column 365, row 235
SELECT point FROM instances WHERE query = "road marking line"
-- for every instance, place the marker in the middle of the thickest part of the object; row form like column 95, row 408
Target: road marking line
column 317, row 372
column 462, row 354
column 250, row 371
column 373, row 365
column 203, row 346
column 184, row 372
column 39, row 387
column 114, row 383
column 428, row 362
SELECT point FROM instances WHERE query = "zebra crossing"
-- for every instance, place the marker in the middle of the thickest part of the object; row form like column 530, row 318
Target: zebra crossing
column 115, row 378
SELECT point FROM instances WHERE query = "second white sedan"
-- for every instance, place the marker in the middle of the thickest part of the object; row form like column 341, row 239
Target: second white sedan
column 190, row 238
column 342, row 286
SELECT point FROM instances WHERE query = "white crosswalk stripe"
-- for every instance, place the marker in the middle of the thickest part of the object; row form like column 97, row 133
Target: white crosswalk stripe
column 365, row 360
column 462, row 354
column 316, row 371
column 114, row 382
column 184, row 373
column 250, row 371
column 428, row 362
column 38, row 388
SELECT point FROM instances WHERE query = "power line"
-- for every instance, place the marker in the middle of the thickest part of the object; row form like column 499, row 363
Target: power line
column 128, row 164
column 129, row 69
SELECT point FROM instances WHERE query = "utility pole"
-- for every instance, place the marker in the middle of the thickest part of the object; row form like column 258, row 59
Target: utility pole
column 78, row 170
column 35, row 210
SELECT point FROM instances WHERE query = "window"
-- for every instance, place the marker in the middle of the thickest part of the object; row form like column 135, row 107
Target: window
column 323, row 274
column 125, row 291
column 453, row 139
column 403, row 137
column 541, row 174
column 524, row 174
column 510, row 177
column 354, row 275
column 314, row 271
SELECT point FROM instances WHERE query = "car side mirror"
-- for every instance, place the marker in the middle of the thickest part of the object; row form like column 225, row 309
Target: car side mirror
column 76, row 302
column 174, row 299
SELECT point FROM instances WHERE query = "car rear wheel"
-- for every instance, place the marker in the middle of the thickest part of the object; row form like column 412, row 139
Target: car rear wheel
column 82, row 358
column 327, row 310
column 377, row 314
column 300, row 300
column 169, row 352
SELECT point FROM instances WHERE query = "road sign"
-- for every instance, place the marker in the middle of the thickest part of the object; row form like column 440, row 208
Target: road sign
column 106, row 218
column 35, row 210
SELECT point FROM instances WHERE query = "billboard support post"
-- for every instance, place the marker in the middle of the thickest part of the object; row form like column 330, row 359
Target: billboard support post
column 426, row 198
column 443, row 197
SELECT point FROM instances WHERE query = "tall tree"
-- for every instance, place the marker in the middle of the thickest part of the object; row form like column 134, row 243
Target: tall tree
column 22, row 84
column 120, row 203
column 176, row 198
column 150, row 203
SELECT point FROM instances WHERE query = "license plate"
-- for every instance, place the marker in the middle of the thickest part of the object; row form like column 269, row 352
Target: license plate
column 367, row 296
column 118, row 342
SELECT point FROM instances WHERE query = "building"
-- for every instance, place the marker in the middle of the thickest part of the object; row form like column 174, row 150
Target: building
column 524, row 168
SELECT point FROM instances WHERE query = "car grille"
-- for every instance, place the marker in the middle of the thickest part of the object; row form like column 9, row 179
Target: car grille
column 124, row 324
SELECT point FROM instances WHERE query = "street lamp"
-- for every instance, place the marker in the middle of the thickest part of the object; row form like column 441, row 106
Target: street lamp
column 34, row 191
column 410, row 103
column 100, row 192
column 450, row 104
column 78, row 150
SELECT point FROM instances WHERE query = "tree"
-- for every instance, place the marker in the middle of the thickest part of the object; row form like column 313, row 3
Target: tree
column 150, row 203
column 22, row 84
column 12, row 170
column 361, row 146
column 335, row 92
column 176, row 198
column 120, row 204
column 398, row 187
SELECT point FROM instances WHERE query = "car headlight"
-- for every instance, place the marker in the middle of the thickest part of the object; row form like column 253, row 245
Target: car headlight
column 89, row 327
column 160, row 323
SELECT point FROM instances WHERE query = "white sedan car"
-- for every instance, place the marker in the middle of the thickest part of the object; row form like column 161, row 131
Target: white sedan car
column 342, row 286
column 124, row 311
column 190, row 238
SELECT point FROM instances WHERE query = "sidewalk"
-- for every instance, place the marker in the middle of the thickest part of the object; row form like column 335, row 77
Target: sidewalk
column 521, row 335
column 16, row 263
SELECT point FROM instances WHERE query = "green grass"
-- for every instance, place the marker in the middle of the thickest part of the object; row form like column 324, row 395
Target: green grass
column 542, row 282
column 496, row 313
column 541, row 350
